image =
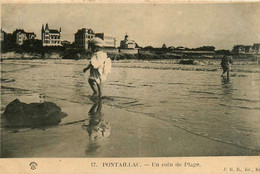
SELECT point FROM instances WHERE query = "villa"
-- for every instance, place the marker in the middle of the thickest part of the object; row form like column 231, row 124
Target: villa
column 51, row 37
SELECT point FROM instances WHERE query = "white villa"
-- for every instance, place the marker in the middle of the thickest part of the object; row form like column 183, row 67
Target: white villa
column 51, row 37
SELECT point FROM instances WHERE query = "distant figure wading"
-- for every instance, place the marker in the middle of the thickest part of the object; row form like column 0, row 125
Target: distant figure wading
column 225, row 64
column 100, row 66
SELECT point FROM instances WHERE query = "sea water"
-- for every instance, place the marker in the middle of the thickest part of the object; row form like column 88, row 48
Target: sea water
column 193, row 98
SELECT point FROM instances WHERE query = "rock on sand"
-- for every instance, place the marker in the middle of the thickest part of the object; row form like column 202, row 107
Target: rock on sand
column 32, row 115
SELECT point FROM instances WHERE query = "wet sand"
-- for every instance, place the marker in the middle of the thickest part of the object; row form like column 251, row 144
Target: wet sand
column 149, row 112
column 131, row 135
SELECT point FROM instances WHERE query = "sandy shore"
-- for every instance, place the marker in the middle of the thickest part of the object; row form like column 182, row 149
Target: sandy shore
column 158, row 113
column 131, row 135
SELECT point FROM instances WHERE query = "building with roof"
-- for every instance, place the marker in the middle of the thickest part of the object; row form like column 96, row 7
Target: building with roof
column 82, row 38
column 238, row 49
column 3, row 35
column 248, row 48
column 50, row 37
column 109, row 41
column 21, row 36
column 127, row 44
column 256, row 48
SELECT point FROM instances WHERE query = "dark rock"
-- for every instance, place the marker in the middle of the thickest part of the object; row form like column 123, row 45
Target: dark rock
column 32, row 115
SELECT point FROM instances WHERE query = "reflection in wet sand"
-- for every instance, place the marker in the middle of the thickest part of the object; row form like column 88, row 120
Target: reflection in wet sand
column 225, row 80
column 227, row 89
column 96, row 127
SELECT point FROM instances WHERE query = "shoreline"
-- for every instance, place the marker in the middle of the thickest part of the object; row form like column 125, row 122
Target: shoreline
column 139, row 55
column 208, row 65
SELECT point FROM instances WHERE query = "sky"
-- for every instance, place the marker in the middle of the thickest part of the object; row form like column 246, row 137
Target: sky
column 192, row 25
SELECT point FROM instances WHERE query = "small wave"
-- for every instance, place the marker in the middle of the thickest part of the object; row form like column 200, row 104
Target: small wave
column 132, row 103
column 126, row 103
column 178, row 84
column 245, row 107
column 203, row 92
column 7, row 80
column 148, row 85
column 241, row 107
column 72, row 76
column 164, row 101
column 209, row 97
column 137, row 104
column 122, row 85
column 246, row 100
column 13, row 89
column 206, row 85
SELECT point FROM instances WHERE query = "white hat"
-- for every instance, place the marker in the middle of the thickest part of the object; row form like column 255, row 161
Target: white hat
column 97, row 42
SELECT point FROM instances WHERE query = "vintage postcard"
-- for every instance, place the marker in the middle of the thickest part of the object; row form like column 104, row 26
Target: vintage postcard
column 130, row 87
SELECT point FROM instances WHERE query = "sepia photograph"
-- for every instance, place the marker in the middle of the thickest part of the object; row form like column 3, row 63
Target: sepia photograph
column 123, row 80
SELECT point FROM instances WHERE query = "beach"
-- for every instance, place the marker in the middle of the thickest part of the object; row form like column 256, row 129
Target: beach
column 150, row 109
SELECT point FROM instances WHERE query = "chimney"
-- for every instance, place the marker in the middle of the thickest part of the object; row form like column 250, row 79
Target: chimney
column 46, row 27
